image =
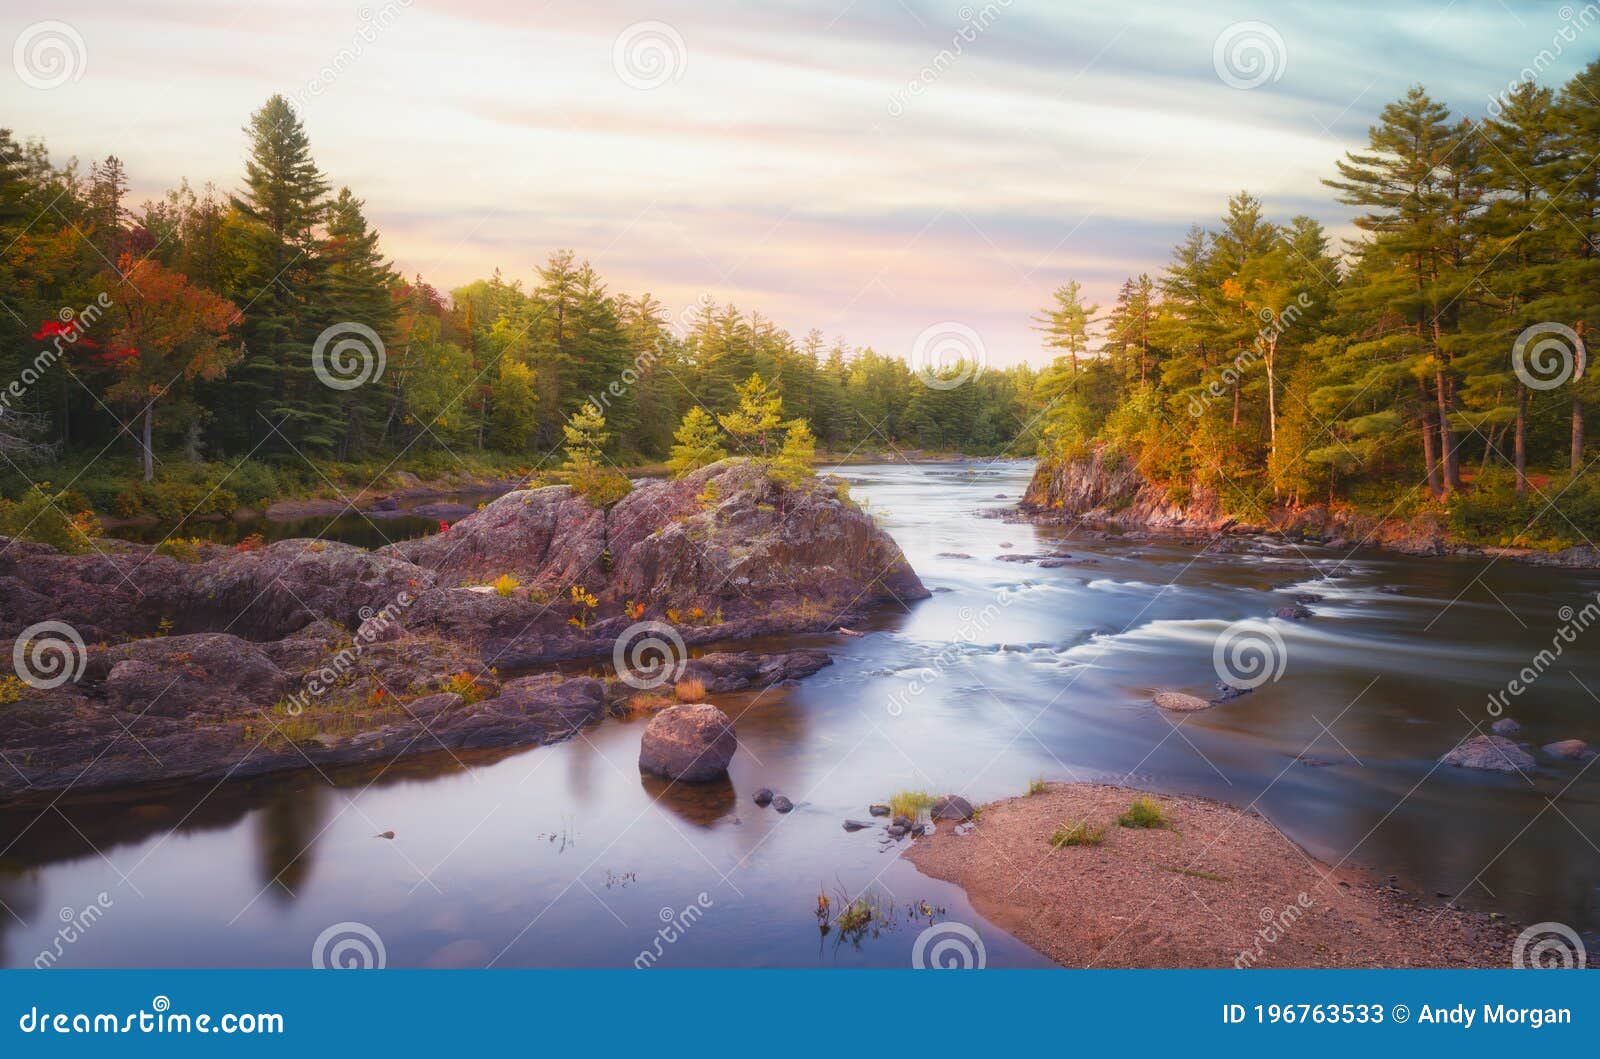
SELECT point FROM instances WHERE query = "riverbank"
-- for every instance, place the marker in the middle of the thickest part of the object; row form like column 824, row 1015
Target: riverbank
column 1207, row 885
column 1103, row 491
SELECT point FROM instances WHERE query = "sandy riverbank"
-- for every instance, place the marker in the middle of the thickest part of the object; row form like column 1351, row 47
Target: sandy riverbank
column 1215, row 887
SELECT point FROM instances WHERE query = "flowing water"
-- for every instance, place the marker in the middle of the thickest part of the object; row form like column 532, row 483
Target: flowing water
column 566, row 856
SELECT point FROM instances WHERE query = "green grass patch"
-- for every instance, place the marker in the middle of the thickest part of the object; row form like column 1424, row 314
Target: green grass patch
column 1077, row 835
column 1144, row 812
column 910, row 804
column 1037, row 785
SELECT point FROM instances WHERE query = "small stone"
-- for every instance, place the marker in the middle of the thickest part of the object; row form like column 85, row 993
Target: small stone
column 1505, row 726
column 857, row 825
column 1294, row 613
column 878, row 809
column 1005, row 544
column 1569, row 749
column 1228, row 692
column 1179, row 702
column 962, row 829
column 1492, row 752
column 896, row 831
column 1306, row 597
column 782, row 804
column 764, row 796
column 903, row 823
column 384, row 834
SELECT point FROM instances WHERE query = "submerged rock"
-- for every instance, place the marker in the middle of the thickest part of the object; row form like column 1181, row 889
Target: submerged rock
column 878, row 809
column 693, row 742
column 1491, row 752
column 1294, row 613
column 857, row 825
column 1569, row 749
column 1505, row 726
column 1180, row 702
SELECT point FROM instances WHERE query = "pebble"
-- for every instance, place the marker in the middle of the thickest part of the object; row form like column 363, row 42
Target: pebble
column 764, row 797
column 782, row 804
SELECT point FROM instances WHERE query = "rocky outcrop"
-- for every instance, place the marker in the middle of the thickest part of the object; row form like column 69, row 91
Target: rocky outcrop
column 1491, row 752
column 313, row 653
column 693, row 742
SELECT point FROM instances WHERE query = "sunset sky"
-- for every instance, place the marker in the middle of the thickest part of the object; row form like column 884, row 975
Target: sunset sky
column 778, row 159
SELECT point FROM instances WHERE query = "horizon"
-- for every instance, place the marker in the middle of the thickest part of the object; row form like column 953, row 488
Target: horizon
column 872, row 251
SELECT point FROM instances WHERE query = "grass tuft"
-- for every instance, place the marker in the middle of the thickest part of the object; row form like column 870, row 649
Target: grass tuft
column 1144, row 812
column 910, row 804
column 1037, row 785
column 1078, row 835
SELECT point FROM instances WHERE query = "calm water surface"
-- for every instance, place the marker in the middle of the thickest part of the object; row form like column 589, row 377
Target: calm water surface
column 565, row 856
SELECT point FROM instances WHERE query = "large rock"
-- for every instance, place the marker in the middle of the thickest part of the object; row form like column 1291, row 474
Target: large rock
column 693, row 742
column 548, row 538
column 1492, row 752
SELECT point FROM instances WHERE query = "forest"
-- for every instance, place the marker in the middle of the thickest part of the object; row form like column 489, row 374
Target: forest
column 1434, row 364
column 251, row 344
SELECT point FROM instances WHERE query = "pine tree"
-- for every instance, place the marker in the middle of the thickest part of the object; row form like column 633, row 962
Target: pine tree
column 792, row 467
column 699, row 443
column 757, row 418
column 1066, row 321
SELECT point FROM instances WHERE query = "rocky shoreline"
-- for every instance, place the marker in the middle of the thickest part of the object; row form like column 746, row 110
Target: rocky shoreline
column 1199, row 884
column 139, row 667
column 1105, row 493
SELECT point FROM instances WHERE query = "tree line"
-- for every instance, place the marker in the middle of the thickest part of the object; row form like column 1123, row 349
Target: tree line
column 267, row 324
column 1436, row 363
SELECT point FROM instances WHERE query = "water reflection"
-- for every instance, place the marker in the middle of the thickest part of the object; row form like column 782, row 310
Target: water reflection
column 566, row 855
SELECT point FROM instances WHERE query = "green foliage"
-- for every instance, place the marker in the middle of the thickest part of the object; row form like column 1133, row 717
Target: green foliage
column 586, row 468
column 183, row 549
column 1037, row 785
column 755, row 421
column 43, row 516
column 910, row 804
column 698, row 443
column 1077, row 835
column 792, row 466
column 1144, row 812
column 11, row 690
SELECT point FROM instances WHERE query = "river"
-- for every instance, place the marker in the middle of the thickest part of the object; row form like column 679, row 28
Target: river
column 564, row 856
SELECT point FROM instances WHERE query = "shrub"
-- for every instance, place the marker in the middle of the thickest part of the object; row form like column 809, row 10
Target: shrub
column 601, row 486
column 10, row 690
column 43, row 516
column 1037, row 785
column 1144, row 812
column 183, row 549
column 1077, row 835
column 466, row 685
column 506, row 584
column 253, row 543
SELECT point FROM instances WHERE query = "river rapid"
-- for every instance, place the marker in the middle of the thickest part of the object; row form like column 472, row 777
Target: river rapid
column 564, row 856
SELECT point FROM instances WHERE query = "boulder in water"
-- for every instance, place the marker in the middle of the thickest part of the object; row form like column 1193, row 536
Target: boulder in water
column 693, row 742
column 1491, row 752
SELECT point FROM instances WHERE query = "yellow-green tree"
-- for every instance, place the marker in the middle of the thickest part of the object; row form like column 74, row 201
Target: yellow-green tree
column 755, row 423
column 793, row 464
column 585, row 467
column 699, row 443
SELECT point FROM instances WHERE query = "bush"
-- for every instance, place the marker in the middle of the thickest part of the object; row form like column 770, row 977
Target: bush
column 43, row 516
column 910, row 804
column 1144, row 812
column 601, row 486
column 506, row 584
column 183, row 549
column 1037, row 785
column 1078, row 835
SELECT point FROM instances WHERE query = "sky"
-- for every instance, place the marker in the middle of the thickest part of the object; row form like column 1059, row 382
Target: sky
column 871, row 168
